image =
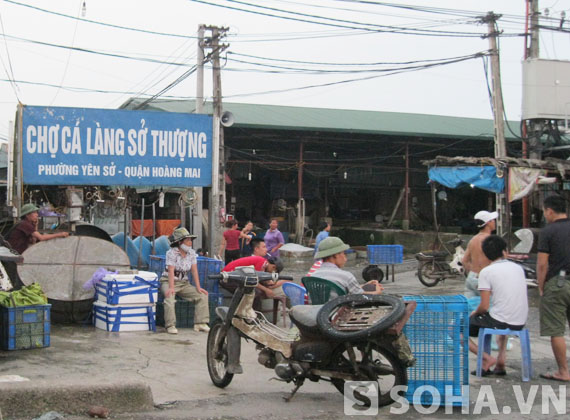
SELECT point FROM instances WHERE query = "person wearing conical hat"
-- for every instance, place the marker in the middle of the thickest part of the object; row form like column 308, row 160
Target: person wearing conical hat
column 181, row 262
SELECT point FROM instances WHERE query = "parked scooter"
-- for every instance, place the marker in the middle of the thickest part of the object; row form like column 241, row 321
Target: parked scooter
column 528, row 265
column 350, row 338
column 434, row 266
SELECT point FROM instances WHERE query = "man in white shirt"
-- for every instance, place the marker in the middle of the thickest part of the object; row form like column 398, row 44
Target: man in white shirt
column 502, row 285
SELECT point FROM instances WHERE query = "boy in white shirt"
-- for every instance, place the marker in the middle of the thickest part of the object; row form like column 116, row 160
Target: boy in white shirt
column 502, row 285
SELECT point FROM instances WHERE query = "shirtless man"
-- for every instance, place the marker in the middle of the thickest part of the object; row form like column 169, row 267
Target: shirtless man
column 474, row 259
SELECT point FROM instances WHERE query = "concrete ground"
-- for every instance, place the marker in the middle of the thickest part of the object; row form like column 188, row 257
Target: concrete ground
column 146, row 375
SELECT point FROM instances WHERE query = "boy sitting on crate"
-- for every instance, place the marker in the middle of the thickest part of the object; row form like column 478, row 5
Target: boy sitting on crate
column 503, row 287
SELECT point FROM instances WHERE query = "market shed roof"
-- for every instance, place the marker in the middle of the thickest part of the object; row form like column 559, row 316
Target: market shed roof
column 337, row 120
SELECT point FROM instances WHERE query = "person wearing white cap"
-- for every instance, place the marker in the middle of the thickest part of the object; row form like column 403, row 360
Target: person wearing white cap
column 474, row 259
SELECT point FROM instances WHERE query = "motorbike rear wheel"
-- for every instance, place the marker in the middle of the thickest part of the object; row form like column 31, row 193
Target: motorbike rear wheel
column 427, row 273
column 217, row 355
column 378, row 364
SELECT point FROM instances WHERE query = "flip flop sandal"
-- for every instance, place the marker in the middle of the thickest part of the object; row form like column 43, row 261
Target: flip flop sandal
column 551, row 377
column 483, row 373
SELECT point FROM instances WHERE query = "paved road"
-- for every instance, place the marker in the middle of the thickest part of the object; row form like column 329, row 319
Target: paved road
column 175, row 369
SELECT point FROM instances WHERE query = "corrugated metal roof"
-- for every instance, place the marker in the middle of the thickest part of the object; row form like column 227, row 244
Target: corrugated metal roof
column 339, row 120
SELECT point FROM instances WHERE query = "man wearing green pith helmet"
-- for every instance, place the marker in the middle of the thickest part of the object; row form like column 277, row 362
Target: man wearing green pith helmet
column 331, row 250
column 25, row 233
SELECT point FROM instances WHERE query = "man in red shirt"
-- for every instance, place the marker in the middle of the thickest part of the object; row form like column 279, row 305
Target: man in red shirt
column 271, row 265
column 26, row 232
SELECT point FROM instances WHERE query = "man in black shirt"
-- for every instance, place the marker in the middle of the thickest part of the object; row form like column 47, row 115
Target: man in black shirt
column 553, row 269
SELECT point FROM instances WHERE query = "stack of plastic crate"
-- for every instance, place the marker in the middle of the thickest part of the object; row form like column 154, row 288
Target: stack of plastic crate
column 25, row 327
column 434, row 332
column 126, row 302
column 185, row 310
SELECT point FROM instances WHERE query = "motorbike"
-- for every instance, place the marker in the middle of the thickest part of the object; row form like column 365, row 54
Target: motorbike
column 528, row 265
column 434, row 266
column 350, row 338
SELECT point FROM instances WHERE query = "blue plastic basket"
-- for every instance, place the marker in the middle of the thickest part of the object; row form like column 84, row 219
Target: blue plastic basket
column 157, row 264
column 25, row 327
column 434, row 333
column 206, row 266
column 385, row 254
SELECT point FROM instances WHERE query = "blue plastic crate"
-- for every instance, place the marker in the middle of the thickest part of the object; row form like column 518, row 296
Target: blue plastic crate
column 206, row 266
column 157, row 264
column 385, row 254
column 25, row 327
column 434, row 333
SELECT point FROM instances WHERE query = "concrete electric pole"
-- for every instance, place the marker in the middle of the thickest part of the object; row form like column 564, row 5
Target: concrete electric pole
column 217, row 192
column 197, row 213
column 498, row 117
column 534, row 126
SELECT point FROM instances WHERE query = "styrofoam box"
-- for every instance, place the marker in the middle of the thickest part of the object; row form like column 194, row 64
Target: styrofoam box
column 128, row 317
column 118, row 289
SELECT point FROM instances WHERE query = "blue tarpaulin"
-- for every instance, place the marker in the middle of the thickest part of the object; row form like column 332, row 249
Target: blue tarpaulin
column 484, row 177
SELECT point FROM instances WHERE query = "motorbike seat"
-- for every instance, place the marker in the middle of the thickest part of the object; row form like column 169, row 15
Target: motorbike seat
column 305, row 315
column 435, row 254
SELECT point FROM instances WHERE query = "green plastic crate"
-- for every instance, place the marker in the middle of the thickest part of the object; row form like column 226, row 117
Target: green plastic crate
column 184, row 311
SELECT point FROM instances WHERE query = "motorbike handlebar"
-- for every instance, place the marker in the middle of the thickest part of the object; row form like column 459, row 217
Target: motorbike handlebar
column 241, row 276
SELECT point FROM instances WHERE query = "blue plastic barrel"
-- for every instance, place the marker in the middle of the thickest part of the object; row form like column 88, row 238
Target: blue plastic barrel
column 132, row 250
column 146, row 248
column 161, row 245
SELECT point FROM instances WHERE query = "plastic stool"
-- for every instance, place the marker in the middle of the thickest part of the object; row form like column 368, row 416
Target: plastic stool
column 295, row 293
column 484, row 345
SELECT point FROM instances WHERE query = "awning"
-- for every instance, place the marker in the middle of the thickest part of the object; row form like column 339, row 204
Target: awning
column 484, row 177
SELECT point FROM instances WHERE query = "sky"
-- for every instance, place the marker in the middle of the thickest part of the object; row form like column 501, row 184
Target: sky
column 99, row 53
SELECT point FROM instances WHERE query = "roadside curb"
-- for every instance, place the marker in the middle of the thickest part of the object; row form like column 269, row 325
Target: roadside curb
column 26, row 400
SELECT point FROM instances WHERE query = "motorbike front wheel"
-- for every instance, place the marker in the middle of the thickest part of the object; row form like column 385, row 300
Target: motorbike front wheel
column 217, row 355
column 378, row 364
column 428, row 273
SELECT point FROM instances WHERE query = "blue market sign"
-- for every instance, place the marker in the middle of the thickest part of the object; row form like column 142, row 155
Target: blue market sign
column 81, row 146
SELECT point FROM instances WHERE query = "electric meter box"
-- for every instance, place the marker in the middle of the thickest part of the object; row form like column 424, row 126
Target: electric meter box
column 546, row 89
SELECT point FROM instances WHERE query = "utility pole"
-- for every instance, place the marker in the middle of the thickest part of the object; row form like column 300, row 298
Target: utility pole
column 497, row 94
column 218, row 190
column 535, row 127
column 498, row 118
column 197, row 213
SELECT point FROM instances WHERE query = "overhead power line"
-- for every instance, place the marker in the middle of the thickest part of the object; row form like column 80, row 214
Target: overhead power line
column 358, row 79
column 416, row 65
column 85, row 50
column 88, row 90
column 376, row 63
column 98, row 23
column 339, row 23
